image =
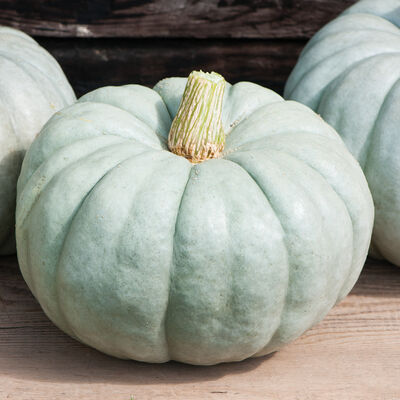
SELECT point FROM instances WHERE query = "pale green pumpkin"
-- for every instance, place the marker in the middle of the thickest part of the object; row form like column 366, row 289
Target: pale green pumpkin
column 141, row 254
column 32, row 88
column 350, row 74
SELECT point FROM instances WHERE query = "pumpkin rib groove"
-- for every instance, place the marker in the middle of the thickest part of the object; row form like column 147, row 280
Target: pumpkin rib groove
column 339, row 197
column 66, row 166
column 172, row 270
column 341, row 294
column 341, row 200
column 37, row 63
column 350, row 30
column 47, row 77
column 286, row 250
column 261, row 142
column 72, row 278
column 102, row 132
column 275, row 333
column 368, row 22
column 20, row 224
column 291, row 87
column 322, row 108
column 61, row 148
column 320, row 65
column 294, row 78
column 288, row 258
column 267, row 141
column 157, row 135
column 129, row 90
column 278, row 126
column 262, row 190
column 348, row 213
column 305, row 162
column 245, row 118
column 65, row 93
column 306, row 190
column 329, row 300
column 363, row 160
column 162, row 98
column 376, row 247
column 369, row 149
column 241, row 118
column 37, row 83
column 115, row 265
column 337, row 37
column 98, row 133
column 72, row 218
column 325, row 179
column 10, row 99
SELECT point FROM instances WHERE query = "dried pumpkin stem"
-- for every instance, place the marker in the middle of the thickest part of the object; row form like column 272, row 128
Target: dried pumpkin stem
column 196, row 132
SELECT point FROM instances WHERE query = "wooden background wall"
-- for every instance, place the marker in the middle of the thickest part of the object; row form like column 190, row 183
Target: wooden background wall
column 102, row 42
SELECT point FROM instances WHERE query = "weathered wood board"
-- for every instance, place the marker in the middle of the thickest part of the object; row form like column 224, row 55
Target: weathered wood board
column 165, row 18
column 354, row 354
column 92, row 63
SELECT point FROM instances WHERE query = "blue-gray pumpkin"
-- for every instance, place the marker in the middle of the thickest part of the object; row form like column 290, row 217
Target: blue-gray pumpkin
column 350, row 74
column 32, row 88
column 227, row 251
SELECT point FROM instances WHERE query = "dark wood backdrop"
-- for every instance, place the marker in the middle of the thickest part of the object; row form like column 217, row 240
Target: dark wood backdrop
column 111, row 42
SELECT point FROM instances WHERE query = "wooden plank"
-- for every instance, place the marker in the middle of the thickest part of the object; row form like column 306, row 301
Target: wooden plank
column 171, row 19
column 352, row 355
column 93, row 63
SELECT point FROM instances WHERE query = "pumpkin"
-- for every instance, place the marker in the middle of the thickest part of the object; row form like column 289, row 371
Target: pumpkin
column 32, row 88
column 350, row 74
column 227, row 247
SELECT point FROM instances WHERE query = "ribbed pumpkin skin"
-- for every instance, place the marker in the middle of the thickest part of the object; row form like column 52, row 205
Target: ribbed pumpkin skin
column 350, row 74
column 141, row 254
column 32, row 88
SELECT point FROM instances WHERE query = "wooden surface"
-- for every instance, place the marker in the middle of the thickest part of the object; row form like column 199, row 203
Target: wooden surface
column 114, row 42
column 353, row 354
column 166, row 18
column 91, row 63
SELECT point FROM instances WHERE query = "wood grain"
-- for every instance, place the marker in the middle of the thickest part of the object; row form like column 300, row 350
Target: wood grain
column 171, row 19
column 352, row 355
column 92, row 63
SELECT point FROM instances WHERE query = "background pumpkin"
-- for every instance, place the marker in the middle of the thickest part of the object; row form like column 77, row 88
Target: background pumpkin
column 139, row 253
column 32, row 88
column 350, row 74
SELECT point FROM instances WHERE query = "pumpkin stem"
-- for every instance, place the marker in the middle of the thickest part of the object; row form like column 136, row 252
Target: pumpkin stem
column 196, row 132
